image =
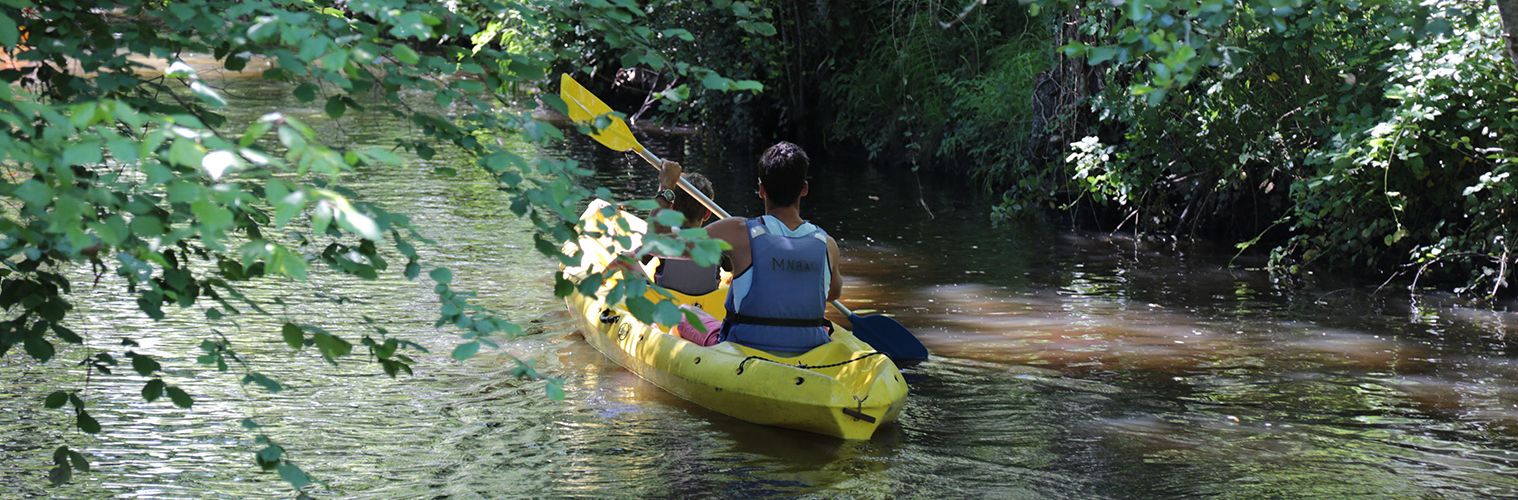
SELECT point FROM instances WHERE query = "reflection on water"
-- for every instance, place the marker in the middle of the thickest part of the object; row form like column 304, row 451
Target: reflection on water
column 1067, row 365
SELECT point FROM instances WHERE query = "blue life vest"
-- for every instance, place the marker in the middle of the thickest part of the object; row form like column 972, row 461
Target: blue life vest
column 777, row 303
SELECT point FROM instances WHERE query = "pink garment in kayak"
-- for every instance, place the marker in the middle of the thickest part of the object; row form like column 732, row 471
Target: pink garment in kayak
column 706, row 333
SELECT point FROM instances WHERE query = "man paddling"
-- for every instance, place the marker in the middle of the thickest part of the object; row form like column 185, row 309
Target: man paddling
column 785, row 266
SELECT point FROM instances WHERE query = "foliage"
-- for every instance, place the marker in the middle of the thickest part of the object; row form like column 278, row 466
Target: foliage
column 116, row 154
column 922, row 83
column 1354, row 135
column 670, row 70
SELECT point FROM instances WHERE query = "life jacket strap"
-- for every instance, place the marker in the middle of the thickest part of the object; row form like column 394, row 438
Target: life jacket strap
column 736, row 318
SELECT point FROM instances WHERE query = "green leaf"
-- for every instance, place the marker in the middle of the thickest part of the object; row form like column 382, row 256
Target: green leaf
column 87, row 423
column 1099, row 54
column 404, row 54
column 286, row 262
column 179, row 397
column 39, row 349
column 679, row 33
column 714, row 81
column 306, row 92
column 387, row 349
column 35, row 194
column 336, row 107
column 749, row 85
column 466, row 350
column 267, row 383
column 123, row 150
column 113, row 230
column 59, row 475
column 82, row 153
column 590, row 285
column 758, row 28
column 293, row 336
column 666, row 313
column 186, row 153
column 641, row 308
column 236, row 62
column 10, row 35
column 291, row 474
column 208, row 94
column 312, row 48
column 441, row 275
column 670, row 218
column 56, row 400
column 269, row 456
column 381, row 155
column 152, row 390
column 555, row 389
column 255, row 131
column 353, row 221
column 321, row 217
column 1443, row 27
column 331, row 346
column 145, row 365
column 80, row 463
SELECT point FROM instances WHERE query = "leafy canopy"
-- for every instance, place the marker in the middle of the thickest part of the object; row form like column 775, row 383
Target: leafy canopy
column 116, row 154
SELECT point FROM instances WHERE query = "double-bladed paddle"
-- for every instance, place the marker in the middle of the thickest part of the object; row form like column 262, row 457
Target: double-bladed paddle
column 883, row 333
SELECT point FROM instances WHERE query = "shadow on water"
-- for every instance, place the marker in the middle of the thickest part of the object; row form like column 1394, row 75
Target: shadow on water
column 1067, row 365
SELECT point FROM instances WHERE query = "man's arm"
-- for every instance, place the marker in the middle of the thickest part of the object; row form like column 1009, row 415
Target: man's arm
column 734, row 231
column 669, row 178
column 835, row 288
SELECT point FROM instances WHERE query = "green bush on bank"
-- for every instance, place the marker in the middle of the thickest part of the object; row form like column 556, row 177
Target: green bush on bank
column 1344, row 135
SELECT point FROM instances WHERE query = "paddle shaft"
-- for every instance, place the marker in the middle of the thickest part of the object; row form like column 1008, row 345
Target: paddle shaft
column 710, row 204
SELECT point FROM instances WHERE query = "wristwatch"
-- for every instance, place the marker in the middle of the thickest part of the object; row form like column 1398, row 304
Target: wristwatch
column 668, row 195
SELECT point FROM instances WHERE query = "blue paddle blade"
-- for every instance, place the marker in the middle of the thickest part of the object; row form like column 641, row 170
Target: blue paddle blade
column 890, row 337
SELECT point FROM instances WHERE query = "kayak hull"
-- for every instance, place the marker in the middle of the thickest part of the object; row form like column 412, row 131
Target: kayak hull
column 843, row 388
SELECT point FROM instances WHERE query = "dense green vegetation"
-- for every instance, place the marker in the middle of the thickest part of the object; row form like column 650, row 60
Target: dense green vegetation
column 914, row 83
column 1351, row 135
column 117, row 158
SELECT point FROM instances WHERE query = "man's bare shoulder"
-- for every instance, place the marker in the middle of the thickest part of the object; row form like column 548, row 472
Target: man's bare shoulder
column 729, row 229
column 730, row 224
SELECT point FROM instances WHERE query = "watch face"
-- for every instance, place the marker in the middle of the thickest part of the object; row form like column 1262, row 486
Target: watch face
column 668, row 195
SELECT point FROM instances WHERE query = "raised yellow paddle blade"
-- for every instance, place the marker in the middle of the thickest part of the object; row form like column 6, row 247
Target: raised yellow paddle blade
column 585, row 107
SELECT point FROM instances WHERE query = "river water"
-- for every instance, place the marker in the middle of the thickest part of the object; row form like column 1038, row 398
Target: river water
column 1066, row 364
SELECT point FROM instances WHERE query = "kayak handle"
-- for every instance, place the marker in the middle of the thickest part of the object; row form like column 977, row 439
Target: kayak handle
column 858, row 415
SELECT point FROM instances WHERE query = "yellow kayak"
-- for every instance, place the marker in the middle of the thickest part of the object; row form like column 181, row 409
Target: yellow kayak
column 843, row 388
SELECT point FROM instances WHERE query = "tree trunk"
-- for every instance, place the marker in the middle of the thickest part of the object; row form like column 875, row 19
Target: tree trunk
column 1509, row 13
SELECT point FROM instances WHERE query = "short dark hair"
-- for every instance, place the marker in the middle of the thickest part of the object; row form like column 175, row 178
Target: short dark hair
column 782, row 170
column 694, row 211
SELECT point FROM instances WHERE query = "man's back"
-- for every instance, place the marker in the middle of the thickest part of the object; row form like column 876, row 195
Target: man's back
column 734, row 231
column 778, row 305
